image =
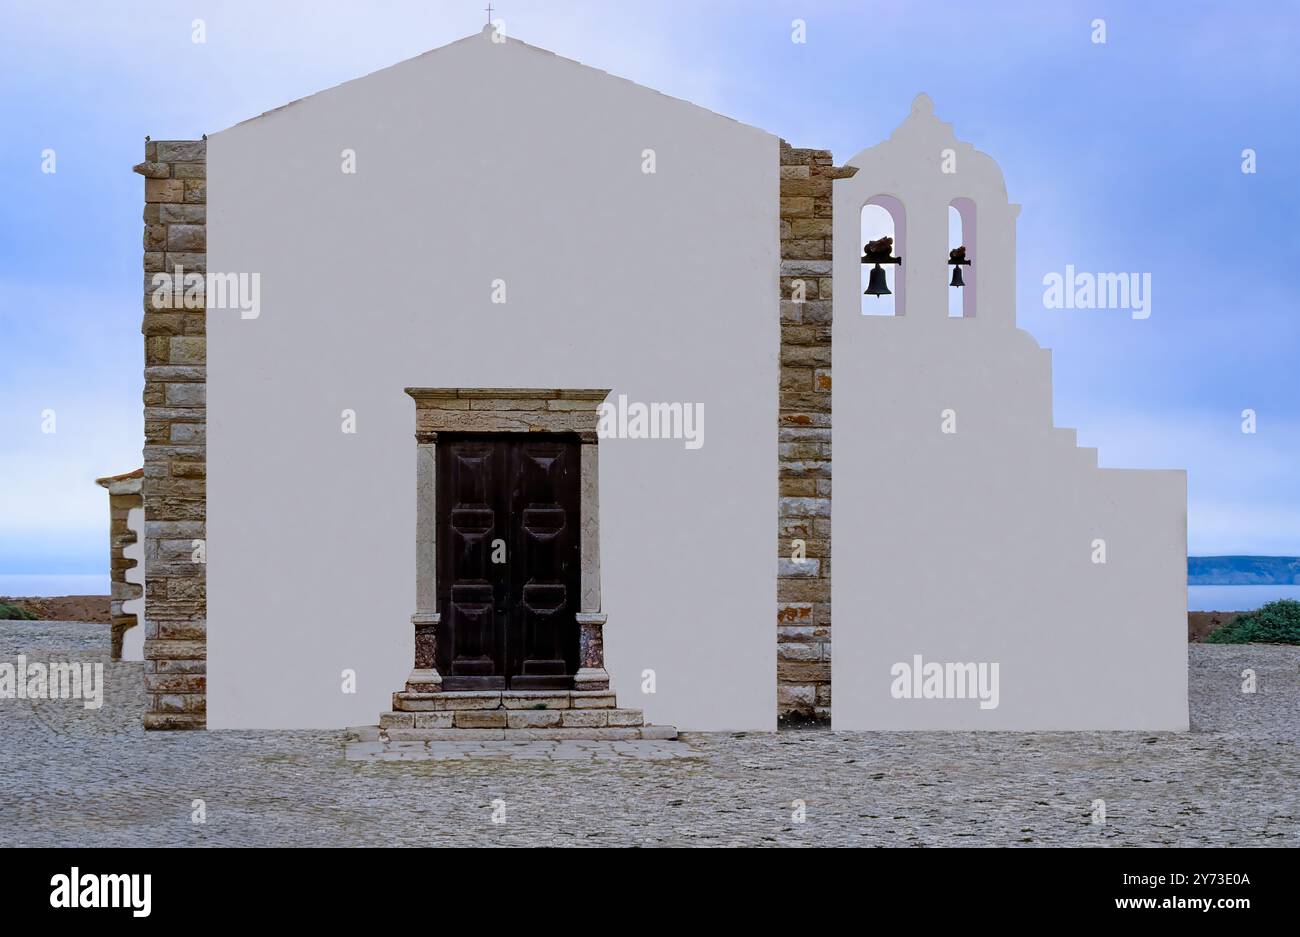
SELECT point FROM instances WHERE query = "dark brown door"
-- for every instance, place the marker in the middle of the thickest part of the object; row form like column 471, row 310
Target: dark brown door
column 508, row 561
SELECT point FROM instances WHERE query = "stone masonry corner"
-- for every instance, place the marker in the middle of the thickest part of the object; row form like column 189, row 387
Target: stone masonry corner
column 175, row 425
column 803, row 617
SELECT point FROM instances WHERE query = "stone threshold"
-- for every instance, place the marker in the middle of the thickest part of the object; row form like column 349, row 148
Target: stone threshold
column 372, row 748
column 587, row 733
column 513, row 719
column 490, row 700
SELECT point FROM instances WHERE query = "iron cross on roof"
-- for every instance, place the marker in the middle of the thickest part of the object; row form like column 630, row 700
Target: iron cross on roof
column 489, row 13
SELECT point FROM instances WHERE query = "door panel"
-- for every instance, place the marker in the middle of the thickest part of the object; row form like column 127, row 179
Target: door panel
column 471, row 640
column 544, row 583
column 511, row 623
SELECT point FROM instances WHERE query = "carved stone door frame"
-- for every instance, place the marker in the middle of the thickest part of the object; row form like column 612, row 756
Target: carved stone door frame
column 505, row 410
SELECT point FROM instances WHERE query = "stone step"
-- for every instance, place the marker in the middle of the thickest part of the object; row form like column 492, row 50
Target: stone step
column 514, row 719
column 596, row 733
column 409, row 701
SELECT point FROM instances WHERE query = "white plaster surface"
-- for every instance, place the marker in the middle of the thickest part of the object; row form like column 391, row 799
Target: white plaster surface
column 976, row 546
column 479, row 162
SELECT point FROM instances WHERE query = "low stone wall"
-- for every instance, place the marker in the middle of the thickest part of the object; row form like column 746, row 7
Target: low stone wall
column 1201, row 624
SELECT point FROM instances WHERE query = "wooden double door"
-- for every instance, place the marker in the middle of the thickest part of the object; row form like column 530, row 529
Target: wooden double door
column 509, row 567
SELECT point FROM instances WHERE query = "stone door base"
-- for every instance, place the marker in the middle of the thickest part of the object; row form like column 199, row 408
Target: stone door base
column 525, row 715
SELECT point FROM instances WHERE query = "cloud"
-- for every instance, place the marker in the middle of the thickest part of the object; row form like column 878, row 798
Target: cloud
column 73, row 368
column 1240, row 487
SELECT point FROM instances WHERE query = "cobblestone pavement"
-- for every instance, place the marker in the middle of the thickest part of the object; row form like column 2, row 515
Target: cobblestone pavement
column 70, row 776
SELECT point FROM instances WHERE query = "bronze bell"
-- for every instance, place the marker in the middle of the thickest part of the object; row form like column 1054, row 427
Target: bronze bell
column 957, row 257
column 877, row 285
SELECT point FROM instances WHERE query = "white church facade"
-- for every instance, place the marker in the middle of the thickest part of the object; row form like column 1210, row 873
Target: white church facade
column 498, row 399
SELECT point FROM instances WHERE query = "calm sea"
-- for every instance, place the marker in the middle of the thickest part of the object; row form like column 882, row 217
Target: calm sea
column 56, row 584
column 1236, row 598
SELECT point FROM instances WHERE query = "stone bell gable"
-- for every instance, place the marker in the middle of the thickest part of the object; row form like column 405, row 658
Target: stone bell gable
column 978, row 542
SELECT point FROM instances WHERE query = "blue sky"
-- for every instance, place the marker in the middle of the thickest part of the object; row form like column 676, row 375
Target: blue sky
column 1125, row 157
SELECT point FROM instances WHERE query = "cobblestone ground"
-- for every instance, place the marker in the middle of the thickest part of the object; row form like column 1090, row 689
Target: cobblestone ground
column 69, row 776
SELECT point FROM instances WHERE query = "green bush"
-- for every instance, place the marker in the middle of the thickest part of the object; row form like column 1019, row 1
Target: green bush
column 1275, row 623
column 14, row 613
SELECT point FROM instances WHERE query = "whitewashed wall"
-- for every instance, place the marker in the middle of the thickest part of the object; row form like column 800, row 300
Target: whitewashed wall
column 475, row 162
column 977, row 546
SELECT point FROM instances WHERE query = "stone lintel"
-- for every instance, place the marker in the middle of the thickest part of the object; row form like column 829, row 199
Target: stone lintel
column 429, row 396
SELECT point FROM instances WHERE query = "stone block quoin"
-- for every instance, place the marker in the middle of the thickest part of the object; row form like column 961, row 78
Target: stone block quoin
column 174, row 487
column 803, row 617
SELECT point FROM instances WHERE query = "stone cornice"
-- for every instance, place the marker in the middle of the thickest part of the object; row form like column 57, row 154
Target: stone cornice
column 128, row 483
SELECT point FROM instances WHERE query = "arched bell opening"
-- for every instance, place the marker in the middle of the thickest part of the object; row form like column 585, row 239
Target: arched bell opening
column 962, row 269
column 883, row 280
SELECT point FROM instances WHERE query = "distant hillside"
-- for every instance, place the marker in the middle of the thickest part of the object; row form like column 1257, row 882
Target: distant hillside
column 1243, row 570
